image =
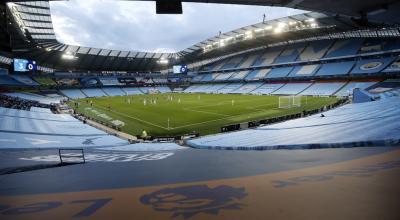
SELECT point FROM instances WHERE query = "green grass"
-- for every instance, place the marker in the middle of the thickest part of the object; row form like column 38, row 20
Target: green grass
column 205, row 115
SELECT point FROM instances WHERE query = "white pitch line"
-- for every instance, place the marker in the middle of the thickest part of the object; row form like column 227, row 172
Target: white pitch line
column 212, row 113
column 232, row 116
column 205, row 122
column 138, row 119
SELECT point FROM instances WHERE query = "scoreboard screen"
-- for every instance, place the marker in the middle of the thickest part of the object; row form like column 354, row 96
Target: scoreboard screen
column 22, row 65
column 179, row 69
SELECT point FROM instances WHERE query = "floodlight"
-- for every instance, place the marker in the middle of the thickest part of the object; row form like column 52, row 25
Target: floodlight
column 162, row 61
column 310, row 20
column 68, row 56
column 248, row 35
column 269, row 27
column 278, row 30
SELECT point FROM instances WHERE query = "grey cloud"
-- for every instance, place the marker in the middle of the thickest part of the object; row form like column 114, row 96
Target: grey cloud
column 135, row 26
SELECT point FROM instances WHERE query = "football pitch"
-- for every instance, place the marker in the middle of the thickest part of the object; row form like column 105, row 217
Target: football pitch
column 175, row 114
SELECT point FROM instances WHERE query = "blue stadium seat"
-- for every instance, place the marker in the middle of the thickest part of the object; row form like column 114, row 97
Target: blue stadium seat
column 132, row 91
column 306, row 70
column 268, row 57
column 347, row 90
column 113, row 91
column 93, row 92
column 73, row 93
column 267, row 88
column 230, row 88
column 331, row 69
column 291, row 53
column 248, row 87
column 351, row 125
column 344, row 48
column 8, row 81
column 291, row 89
column 223, row 76
column 238, row 75
column 315, row 50
column 35, row 97
column 232, row 63
column 25, row 80
column 323, row 89
column 371, row 66
column 257, row 74
column 394, row 66
column 279, row 72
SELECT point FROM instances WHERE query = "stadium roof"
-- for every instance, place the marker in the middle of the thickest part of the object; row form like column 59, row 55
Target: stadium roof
column 375, row 10
column 33, row 37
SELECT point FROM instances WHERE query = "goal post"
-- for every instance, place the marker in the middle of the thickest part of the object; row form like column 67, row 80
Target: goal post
column 284, row 102
column 296, row 101
column 289, row 101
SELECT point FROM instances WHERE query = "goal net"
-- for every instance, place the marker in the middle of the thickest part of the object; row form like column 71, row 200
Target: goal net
column 289, row 101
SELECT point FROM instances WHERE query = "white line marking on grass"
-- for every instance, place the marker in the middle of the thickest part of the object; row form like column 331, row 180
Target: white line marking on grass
column 205, row 122
column 138, row 119
column 232, row 116
column 212, row 113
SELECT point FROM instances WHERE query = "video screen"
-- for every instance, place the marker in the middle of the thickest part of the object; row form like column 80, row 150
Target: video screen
column 179, row 69
column 22, row 65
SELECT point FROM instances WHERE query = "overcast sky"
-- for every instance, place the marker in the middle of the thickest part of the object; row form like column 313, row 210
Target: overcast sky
column 125, row 25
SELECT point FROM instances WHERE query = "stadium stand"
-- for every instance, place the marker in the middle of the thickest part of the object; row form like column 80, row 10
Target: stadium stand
column 384, row 86
column 371, row 66
column 268, row 57
column 73, row 93
column 232, row 63
column 198, row 78
column 209, row 77
column 93, row 92
column 267, row 88
column 248, row 88
column 36, row 129
column 39, row 109
column 109, row 81
column 347, row 90
column 35, row 97
column 315, row 50
column 394, row 67
column 290, row 53
column 230, row 88
column 350, row 125
column 26, row 80
column 14, row 102
column 323, row 88
column 240, row 75
column 163, row 89
column 113, row 91
column 306, row 70
column 344, row 48
column 223, row 76
column 331, row 69
column 249, row 60
column 212, row 88
column 292, row 88
column 257, row 74
column 9, row 81
column 279, row 72
column 132, row 91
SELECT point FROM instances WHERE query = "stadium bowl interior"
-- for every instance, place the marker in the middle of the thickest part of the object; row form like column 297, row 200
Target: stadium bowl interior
column 296, row 117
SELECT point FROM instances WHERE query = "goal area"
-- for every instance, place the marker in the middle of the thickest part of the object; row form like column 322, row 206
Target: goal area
column 289, row 101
